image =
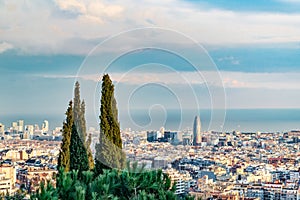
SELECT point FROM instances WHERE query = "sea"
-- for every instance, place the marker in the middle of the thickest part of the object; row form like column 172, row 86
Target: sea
column 245, row 120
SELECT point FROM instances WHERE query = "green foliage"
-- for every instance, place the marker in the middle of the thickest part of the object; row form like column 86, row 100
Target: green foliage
column 78, row 153
column 45, row 193
column 109, row 149
column 80, row 122
column 89, row 152
column 64, row 154
column 133, row 183
column 19, row 195
column 77, row 111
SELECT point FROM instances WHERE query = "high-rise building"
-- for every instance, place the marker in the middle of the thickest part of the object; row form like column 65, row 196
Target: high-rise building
column 152, row 136
column 187, row 138
column 14, row 126
column 161, row 131
column 36, row 127
column 170, row 136
column 21, row 126
column 197, row 132
column 29, row 129
column 45, row 126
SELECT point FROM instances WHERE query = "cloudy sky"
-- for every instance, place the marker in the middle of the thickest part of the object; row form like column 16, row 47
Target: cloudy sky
column 253, row 47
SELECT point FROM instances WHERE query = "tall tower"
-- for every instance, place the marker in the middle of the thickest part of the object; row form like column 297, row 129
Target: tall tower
column 45, row 126
column 21, row 126
column 197, row 131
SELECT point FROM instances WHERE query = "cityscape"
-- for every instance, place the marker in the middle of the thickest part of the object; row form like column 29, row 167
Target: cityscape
column 148, row 99
column 216, row 165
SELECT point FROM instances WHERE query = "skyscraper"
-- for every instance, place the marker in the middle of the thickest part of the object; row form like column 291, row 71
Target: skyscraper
column 15, row 127
column 197, row 131
column 45, row 126
column 161, row 132
column 20, row 125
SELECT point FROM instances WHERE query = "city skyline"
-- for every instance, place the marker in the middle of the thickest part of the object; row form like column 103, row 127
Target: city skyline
column 149, row 99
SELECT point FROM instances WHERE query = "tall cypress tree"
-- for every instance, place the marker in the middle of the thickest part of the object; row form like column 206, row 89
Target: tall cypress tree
column 88, row 140
column 64, row 154
column 78, row 153
column 78, row 112
column 109, row 149
column 80, row 122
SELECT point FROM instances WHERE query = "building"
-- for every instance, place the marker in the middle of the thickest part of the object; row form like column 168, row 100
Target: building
column 45, row 126
column 161, row 131
column 152, row 136
column 160, row 162
column 14, row 126
column 21, row 126
column 197, row 132
column 7, row 179
column 170, row 136
column 5, row 185
column 14, row 154
column 255, row 192
column 182, row 180
column 187, row 138
column 29, row 130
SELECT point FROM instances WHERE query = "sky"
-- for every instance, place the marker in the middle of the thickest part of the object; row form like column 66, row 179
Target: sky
column 161, row 54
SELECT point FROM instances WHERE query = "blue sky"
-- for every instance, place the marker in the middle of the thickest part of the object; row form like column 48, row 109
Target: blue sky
column 286, row 6
column 254, row 44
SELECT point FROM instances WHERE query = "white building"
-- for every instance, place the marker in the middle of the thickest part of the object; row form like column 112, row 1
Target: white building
column 45, row 126
column 182, row 180
column 7, row 179
column 5, row 185
column 160, row 162
column 14, row 126
column 29, row 129
column 21, row 126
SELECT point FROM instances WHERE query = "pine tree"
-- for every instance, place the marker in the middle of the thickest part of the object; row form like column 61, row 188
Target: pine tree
column 64, row 154
column 109, row 149
column 78, row 153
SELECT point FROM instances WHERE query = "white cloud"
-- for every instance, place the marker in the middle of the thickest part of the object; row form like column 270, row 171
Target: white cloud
column 71, row 5
column 91, row 9
column 29, row 25
column 97, row 8
column 230, row 59
column 4, row 46
column 273, row 81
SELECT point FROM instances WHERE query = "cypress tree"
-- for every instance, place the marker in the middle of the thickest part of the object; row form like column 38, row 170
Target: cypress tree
column 64, row 154
column 109, row 149
column 78, row 153
column 78, row 112
column 89, row 152
column 80, row 122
